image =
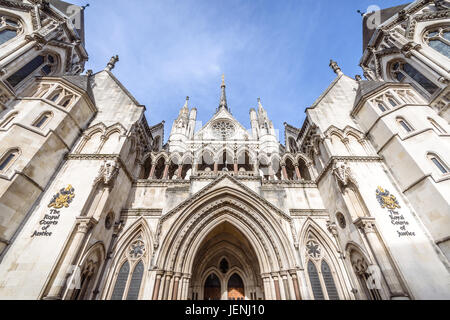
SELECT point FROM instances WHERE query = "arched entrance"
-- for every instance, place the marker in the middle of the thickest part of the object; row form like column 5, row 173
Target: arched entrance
column 236, row 289
column 226, row 267
column 212, row 290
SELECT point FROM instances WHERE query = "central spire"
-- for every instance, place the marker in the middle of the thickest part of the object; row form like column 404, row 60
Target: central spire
column 223, row 97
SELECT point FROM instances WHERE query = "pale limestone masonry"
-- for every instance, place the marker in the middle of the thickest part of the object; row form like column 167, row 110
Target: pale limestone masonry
column 95, row 205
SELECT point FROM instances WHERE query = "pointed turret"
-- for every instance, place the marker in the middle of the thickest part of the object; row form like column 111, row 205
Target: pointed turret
column 223, row 97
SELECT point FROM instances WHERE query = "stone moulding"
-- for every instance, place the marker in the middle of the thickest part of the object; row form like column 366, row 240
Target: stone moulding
column 91, row 156
column 137, row 212
column 334, row 159
column 308, row 212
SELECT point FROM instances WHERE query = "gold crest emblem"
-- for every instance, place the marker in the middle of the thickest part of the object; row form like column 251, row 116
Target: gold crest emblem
column 386, row 199
column 63, row 198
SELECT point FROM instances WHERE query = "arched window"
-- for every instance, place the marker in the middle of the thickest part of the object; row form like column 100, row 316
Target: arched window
column 329, row 281
column 135, row 283
column 438, row 163
column 382, row 106
column 404, row 72
column 322, row 282
column 129, row 279
column 438, row 128
column 44, row 63
column 9, row 120
column 121, row 281
column 315, row 281
column 392, row 102
column 439, row 40
column 54, row 97
column 405, row 125
column 42, row 120
column 7, row 160
column 9, row 29
column 66, row 101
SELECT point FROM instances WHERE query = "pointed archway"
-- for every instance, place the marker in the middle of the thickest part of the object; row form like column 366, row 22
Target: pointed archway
column 226, row 265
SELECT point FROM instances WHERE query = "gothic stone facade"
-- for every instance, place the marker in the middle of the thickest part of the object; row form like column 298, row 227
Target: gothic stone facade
column 353, row 205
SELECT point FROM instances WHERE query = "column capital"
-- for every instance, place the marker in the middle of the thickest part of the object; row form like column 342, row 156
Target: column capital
column 366, row 224
column 84, row 224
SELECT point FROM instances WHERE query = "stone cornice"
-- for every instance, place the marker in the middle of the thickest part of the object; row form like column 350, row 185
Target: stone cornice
column 91, row 156
column 334, row 159
column 308, row 212
column 289, row 183
column 159, row 182
column 137, row 212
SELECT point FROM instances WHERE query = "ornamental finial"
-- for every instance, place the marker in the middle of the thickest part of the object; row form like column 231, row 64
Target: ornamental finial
column 112, row 63
column 335, row 67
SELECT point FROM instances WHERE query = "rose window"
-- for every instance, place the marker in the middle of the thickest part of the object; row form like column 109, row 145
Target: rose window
column 223, row 129
column 136, row 249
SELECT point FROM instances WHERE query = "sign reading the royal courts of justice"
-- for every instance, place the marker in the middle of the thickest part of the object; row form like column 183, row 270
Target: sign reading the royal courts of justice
column 389, row 201
column 60, row 200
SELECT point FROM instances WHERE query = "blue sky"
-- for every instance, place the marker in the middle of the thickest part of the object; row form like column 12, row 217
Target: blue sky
column 276, row 50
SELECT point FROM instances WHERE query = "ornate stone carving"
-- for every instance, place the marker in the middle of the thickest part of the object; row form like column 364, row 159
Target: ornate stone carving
column 223, row 129
column 343, row 174
column 313, row 249
column 108, row 172
column 136, row 249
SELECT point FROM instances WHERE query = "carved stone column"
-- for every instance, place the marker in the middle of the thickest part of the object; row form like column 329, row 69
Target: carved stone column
column 277, row 285
column 168, row 278
column 152, row 172
column 287, row 291
column 294, row 278
column 179, row 171
column 235, row 167
column 175, row 286
column 283, row 170
column 267, row 286
column 297, row 172
column 166, row 171
column 390, row 274
column 159, row 275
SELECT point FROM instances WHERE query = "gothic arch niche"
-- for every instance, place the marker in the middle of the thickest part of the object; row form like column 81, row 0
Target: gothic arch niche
column 263, row 165
column 362, row 270
column 244, row 162
column 227, row 243
column 350, row 191
column 159, row 168
column 225, row 160
column 290, row 169
column 186, row 170
column 338, row 145
column 131, row 260
column 303, row 169
column 145, row 171
column 88, row 273
column 206, row 161
column 173, row 168
column 92, row 144
column 112, row 143
column 354, row 202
